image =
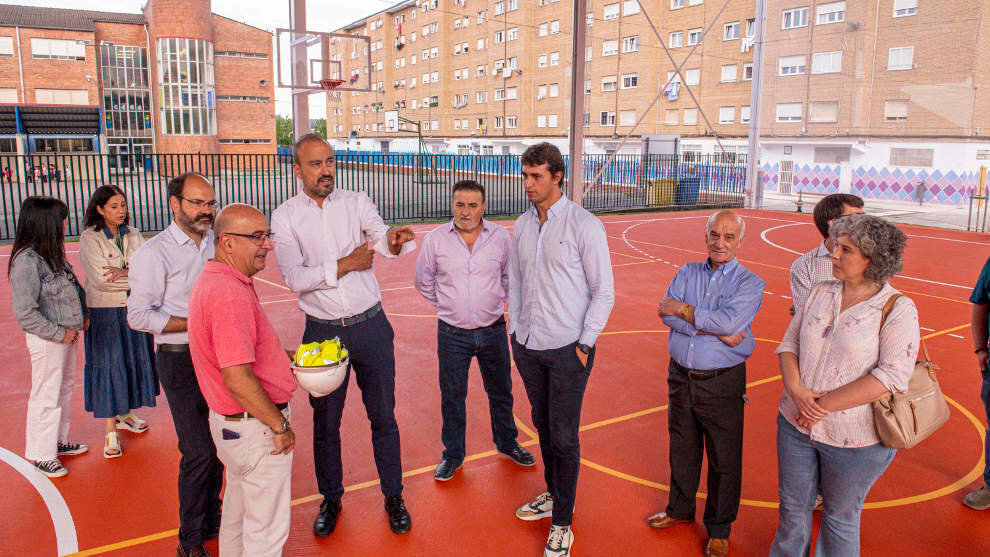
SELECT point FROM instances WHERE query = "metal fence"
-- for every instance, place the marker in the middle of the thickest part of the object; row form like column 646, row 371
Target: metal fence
column 404, row 186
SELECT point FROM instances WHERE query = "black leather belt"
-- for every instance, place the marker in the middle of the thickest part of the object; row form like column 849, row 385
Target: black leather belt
column 246, row 416
column 703, row 374
column 173, row 348
column 348, row 321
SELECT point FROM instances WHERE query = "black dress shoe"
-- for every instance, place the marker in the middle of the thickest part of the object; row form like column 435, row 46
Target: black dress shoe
column 326, row 521
column 195, row 551
column 446, row 470
column 398, row 517
column 520, row 456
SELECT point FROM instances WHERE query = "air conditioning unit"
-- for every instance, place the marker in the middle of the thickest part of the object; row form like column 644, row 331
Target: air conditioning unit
column 540, row 97
column 506, row 73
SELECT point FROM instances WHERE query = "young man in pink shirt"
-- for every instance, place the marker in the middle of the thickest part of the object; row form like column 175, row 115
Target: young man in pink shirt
column 244, row 374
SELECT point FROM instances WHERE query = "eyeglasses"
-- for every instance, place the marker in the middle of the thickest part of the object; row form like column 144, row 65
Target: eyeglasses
column 199, row 203
column 259, row 239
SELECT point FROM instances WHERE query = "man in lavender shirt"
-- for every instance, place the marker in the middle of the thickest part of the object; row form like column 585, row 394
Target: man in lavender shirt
column 463, row 270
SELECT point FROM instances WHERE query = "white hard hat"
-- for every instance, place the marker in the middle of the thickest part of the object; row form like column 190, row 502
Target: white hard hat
column 323, row 380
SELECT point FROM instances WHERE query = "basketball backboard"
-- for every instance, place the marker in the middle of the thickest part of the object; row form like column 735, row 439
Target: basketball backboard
column 391, row 120
column 322, row 55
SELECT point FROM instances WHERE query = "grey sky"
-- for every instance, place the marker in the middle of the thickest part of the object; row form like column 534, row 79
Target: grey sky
column 322, row 15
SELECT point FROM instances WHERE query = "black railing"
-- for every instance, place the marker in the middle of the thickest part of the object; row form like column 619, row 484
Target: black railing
column 404, row 186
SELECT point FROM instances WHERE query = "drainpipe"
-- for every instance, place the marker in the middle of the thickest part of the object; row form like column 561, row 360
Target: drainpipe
column 20, row 64
column 151, row 88
column 873, row 70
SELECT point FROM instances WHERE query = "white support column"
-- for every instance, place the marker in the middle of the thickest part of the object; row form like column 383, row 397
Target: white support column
column 751, row 199
column 300, row 100
column 578, row 37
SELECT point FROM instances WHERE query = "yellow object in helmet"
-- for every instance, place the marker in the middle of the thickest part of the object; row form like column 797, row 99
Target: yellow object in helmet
column 318, row 354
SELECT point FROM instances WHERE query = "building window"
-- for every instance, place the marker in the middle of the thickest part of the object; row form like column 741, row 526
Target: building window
column 730, row 31
column 541, row 121
column 242, row 98
column 627, row 117
column 587, row 119
column 6, row 47
column 827, row 62
column 630, row 44
column 792, row 65
column 676, row 40
column 587, row 86
column 747, row 72
column 895, row 111
column 692, row 77
column 694, row 36
column 510, row 93
column 900, row 58
column 235, row 54
column 499, row 37
column 512, row 5
column 554, row 59
column 555, row 27
column 728, row 73
column 904, row 8
column 789, row 112
column 690, row 116
column 911, row 157
column 676, row 4
column 541, row 61
column 695, row 2
column 671, row 117
column 554, row 90
column 544, row 29
column 610, row 48
column 611, row 11
column 608, row 83
column 512, row 34
column 798, row 17
column 607, row 118
column 244, row 141
column 630, row 81
column 630, row 7
column 8, row 145
column 552, row 121
column 185, row 72
column 127, row 91
column 833, row 12
column 823, row 112
column 8, row 95
column 58, row 49
column 510, row 121
column 61, row 96
column 726, row 115
column 744, row 114
column 63, row 145
column 499, row 122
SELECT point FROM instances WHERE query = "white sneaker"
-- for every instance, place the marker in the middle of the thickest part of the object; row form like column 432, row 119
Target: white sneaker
column 538, row 508
column 560, row 541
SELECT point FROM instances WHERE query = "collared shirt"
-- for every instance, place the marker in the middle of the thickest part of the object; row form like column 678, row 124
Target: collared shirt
column 468, row 287
column 162, row 273
column 835, row 349
column 560, row 278
column 808, row 270
column 725, row 302
column 309, row 240
column 228, row 327
column 981, row 292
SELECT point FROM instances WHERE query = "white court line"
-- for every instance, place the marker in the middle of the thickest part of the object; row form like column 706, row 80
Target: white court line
column 955, row 336
column 926, row 329
column 65, row 528
column 275, row 284
column 763, row 235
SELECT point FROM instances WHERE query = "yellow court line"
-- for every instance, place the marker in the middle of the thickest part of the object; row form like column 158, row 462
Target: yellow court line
column 631, row 256
column 633, row 263
column 945, row 331
column 396, row 288
column 275, row 284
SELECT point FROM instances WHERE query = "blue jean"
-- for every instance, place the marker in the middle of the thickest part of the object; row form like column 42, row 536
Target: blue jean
column 846, row 475
column 985, row 396
column 455, row 348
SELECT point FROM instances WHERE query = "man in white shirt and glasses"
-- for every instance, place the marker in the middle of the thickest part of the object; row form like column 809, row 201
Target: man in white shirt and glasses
column 321, row 245
column 162, row 273
column 560, row 296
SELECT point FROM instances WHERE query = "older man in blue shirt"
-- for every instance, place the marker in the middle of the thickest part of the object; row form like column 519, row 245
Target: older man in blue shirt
column 709, row 307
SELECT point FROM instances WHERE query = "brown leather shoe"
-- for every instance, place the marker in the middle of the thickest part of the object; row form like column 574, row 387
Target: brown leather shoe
column 195, row 551
column 661, row 521
column 717, row 547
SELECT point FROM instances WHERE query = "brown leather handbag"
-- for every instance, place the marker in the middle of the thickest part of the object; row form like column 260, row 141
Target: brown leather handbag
column 906, row 419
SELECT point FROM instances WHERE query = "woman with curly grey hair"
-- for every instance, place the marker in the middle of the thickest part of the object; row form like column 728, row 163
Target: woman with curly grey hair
column 835, row 360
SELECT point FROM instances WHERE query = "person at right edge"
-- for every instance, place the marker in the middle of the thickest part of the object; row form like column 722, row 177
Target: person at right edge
column 980, row 499
column 561, row 293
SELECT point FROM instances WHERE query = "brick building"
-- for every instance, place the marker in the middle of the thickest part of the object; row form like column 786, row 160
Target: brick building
column 175, row 79
column 851, row 90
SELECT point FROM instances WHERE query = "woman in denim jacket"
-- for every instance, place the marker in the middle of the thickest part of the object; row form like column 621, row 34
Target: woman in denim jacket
column 50, row 305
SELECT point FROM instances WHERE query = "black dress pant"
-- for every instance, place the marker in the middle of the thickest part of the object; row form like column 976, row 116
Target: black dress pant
column 555, row 382
column 706, row 415
column 200, row 471
column 372, row 357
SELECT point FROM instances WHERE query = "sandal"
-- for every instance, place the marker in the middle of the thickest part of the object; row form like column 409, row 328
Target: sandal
column 112, row 447
column 131, row 423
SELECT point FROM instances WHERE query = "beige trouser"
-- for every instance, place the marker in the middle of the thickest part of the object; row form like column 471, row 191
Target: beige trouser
column 53, row 373
column 256, row 513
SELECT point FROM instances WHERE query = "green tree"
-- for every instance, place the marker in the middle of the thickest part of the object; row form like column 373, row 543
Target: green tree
column 320, row 127
column 283, row 131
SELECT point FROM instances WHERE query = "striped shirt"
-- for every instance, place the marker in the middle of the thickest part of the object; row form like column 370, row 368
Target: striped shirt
column 807, row 271
column 835, row 349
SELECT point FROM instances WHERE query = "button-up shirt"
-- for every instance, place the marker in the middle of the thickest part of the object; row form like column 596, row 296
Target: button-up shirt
column 560, row 278
column 161, row 275
column 725, row 302
column 808, row 270
column 309, row 240
column 835, row 349
column 467, row 286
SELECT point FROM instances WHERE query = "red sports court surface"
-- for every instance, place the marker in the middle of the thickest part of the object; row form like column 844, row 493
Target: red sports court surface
column 128, row 506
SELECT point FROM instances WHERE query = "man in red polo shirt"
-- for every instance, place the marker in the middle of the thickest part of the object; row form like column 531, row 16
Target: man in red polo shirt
column 244, row 374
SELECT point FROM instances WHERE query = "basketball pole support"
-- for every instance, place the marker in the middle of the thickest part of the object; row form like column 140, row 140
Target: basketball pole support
column 300, row 100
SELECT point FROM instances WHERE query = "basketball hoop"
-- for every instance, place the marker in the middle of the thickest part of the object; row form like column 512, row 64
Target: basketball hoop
column 330, row 86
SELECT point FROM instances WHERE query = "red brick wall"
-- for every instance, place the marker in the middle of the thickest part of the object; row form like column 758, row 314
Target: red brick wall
column 43, row 73
column 252, row 77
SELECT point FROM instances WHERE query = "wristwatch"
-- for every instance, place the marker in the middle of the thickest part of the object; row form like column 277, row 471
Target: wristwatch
column 285, row 427
column 584, row 348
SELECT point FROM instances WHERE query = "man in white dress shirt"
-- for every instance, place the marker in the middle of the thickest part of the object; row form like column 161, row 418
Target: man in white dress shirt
column 321, row 244
column 162, row 273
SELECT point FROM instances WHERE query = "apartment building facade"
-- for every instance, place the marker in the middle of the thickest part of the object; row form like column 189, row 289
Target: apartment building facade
column 175, row 79
column 851, row 90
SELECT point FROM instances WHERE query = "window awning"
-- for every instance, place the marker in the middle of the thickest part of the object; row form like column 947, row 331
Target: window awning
column 58, row 120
